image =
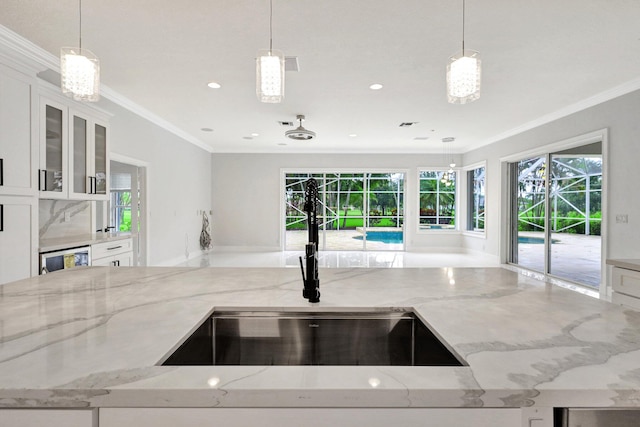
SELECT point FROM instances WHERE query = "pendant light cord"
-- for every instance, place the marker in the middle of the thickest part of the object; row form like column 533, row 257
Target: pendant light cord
column 270, row 26
column 463, row 1
column 80, row 29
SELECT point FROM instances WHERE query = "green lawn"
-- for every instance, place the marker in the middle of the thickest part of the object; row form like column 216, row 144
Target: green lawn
column 353, row 219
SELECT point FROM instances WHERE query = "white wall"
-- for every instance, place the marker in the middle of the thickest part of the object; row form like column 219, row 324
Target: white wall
column 620, row 117
column 179, row 179
column 247, row 200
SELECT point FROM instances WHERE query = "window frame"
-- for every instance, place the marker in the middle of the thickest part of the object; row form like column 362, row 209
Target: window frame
column 456, row 204
column 470, row 199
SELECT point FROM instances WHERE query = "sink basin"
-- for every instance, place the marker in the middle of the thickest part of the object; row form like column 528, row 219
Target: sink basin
column 370, row 338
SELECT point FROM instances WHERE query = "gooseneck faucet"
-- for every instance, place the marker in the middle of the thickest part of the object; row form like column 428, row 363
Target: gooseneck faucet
column 311, row 290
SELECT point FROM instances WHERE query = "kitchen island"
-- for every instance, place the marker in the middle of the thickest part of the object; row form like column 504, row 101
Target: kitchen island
column 93, row 338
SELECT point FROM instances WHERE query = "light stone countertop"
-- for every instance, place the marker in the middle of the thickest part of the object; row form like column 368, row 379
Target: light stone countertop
column 60, row 243
column 91, row 337
column 629, row 264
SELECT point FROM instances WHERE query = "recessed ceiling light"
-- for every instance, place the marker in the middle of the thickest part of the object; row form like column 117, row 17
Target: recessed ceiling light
column 282, row 143
column 375, row 86
column 247, row 137
column 448, row 139
column 255, row 134
column 420, row 138
column 206, row 129
column 214, row 85
column 353, row 135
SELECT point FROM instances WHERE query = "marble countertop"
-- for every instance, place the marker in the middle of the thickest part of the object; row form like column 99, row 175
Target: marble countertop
column 630, row 264
column 60, row 243
column 92, row 337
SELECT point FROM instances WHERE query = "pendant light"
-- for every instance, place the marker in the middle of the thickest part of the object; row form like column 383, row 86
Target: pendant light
column 270, row 69
column 448, row 177
column 80, row 71
column 463, row 73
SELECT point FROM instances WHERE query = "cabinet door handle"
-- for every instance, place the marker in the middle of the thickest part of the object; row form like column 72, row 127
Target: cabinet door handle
column 94, row 185
column 1, row 172
column 42, row 183
column 115, row 247
column 1, row 218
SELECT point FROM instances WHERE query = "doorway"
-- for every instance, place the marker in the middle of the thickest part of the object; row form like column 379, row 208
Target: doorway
column 126, row 209
column 556, row 214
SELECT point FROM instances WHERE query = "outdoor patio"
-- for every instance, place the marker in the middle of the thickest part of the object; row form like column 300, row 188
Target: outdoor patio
column 574, row 257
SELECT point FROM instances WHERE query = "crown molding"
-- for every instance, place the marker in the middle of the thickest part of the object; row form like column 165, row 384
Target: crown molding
column 130, row 105
column 27, row 54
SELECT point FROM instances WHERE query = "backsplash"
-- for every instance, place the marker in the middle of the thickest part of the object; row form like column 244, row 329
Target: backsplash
column 52, row 218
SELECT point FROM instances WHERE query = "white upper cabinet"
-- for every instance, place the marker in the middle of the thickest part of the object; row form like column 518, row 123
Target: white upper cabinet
column 17, row 143
column 74, row 160
column 88, row 163
column 53, row 170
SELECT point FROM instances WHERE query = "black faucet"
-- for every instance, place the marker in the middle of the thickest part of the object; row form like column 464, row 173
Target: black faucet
column 311, row 290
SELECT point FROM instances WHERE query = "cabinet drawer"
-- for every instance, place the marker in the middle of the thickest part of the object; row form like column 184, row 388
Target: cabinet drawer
column 120, row 260
column 626, row 281
column 101, row 250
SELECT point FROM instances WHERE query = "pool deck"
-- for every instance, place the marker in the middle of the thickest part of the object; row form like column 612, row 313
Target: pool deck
column 574, row 257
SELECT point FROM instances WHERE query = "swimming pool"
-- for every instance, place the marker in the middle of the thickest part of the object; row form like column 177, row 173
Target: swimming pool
column 383, row 236
column 534, row 240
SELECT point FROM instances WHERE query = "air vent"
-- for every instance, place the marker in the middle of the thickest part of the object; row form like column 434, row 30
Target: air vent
column 286, row 123
column 291, row 63
column 407, row 124
column 448, row 139
column 420, row 138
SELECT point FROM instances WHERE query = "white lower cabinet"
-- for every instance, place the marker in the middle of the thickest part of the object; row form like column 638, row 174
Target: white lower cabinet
column 49, row 417
column 117, row 253
column 17, row 238
column 311, row 417
column 626, row 287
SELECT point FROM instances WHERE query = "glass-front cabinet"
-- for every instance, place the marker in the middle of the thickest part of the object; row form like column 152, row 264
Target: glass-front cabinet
column 80, row 141
column 73, row 153
column 88, row 164
column 101, row 165
column 52, row 180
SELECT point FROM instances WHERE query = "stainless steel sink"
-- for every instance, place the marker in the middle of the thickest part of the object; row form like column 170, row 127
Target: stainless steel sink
column 373, row 338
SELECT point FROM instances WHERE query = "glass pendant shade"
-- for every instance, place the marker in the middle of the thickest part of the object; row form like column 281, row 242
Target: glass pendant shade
column 270, row 76
column 80, row 74
column 463, row 77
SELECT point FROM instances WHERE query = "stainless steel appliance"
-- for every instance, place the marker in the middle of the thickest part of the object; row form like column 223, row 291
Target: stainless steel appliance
column 65, row 259
column 597, row 417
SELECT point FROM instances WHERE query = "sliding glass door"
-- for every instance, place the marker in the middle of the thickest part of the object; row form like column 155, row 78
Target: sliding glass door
column 530, row 213
column 358, row 211
column 576, row 207
column 556, row 214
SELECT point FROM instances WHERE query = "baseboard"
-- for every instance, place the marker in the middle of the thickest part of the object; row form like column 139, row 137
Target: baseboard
column 246, row 249
column 179, row 260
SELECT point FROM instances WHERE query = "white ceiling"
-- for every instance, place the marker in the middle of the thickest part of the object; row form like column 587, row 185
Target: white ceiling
column 539, row 57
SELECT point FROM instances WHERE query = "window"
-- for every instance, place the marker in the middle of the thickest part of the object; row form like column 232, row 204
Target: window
column 357, row 210
column 476, row 199
column 121, row 210
column 437, row 200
